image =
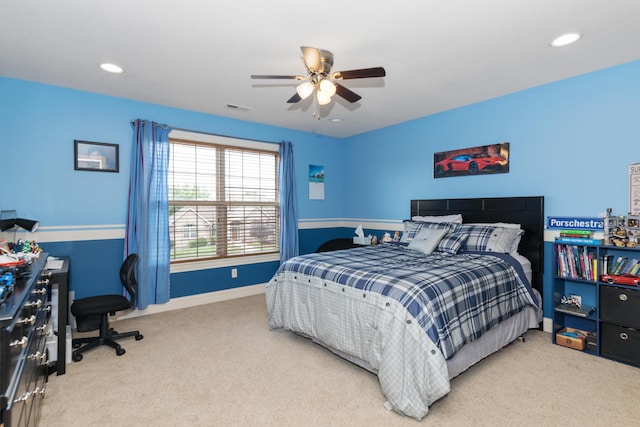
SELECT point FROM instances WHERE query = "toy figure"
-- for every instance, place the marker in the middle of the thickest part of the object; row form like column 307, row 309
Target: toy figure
column 386, row 238
column 396, row 236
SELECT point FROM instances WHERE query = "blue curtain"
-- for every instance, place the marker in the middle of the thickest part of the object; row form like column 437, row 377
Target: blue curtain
column 147, row 232
column 288, row 213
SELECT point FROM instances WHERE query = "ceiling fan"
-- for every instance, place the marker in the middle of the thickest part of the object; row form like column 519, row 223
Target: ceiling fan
column 322, row 81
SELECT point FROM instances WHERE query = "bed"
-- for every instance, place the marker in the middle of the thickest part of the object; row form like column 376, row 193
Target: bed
column 419, row 312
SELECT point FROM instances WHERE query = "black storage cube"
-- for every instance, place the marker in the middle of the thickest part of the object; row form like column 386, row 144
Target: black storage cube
column 620, row 343
column 620, row 306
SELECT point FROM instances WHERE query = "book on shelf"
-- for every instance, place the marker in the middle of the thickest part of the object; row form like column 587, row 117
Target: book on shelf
column 579, row 241
column 576, row 235
column 576, row 262
column 582, row 311
column 581, row 232
column 630, row 266
column 618, row 265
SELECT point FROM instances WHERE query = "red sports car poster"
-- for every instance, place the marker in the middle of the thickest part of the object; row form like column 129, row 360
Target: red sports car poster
column 487, row 159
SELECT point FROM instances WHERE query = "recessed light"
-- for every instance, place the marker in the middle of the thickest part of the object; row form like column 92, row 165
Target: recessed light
column 335, row 119
column 111, row 68
column 566, row 40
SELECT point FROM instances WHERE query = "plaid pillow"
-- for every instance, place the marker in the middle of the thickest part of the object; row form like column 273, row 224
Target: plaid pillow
column 489, row 238
column 451, row 243
column 427, row 240
column 412, row 228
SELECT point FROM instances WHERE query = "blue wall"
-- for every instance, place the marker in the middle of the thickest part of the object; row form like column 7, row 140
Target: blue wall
column 40, row 123
column 571, row 141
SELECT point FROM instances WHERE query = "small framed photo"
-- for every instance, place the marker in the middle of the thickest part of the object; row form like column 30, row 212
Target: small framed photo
column 96, row 156
column 633, row 221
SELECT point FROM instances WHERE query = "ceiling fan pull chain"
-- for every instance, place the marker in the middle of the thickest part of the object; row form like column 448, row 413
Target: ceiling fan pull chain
column 316, row 107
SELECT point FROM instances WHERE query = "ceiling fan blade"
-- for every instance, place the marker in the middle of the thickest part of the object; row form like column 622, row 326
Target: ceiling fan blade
column 261, row 76
column 295, row 98
column 346, row 93
column 360, row 74
column 311, row 57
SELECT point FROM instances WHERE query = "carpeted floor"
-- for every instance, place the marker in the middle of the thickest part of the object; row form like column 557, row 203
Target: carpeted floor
column 220, row 365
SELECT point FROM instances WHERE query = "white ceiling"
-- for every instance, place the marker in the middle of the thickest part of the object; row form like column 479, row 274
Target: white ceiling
column 198, row 55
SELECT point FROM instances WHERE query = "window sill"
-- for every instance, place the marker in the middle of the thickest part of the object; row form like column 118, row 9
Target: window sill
column 224, row 262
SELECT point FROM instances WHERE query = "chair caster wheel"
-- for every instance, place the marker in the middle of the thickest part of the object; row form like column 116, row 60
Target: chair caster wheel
column 120, row 351
column 139, row 337
column 76, row 357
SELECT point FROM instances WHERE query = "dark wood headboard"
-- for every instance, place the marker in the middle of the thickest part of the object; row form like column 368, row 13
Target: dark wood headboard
column 526, row 211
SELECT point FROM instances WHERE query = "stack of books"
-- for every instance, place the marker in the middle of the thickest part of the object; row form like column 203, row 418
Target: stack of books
column 578, row 237
column 624, row 265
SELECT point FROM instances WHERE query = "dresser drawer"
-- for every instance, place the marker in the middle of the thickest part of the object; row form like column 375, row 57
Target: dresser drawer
column 620, row 306
column 620, row 343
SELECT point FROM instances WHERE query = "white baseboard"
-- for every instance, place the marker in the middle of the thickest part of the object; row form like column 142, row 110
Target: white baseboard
column 195, row 300
column 225, row 295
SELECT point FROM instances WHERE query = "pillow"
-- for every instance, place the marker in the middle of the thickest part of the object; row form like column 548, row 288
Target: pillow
column 489, row 238
column 412, row 228
column 457, row 218
column 498, row 224
column 451, row 243
column 505, row 240
column 427, row 240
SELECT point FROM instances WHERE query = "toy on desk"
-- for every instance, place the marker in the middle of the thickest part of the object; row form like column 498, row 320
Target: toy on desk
column 396, row 236
column 386, row 238
column 374, row 240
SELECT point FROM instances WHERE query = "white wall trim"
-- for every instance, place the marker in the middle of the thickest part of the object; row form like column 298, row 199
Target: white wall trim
column 196, row 300
column 47, row 234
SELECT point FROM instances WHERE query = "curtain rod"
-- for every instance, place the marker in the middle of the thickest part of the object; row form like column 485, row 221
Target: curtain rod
column 164, row 126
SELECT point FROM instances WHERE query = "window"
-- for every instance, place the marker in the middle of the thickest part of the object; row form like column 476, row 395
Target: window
column 223, row 198
column 190, row 231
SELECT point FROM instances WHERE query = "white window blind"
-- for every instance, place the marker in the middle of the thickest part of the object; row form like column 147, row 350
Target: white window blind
column 227, row 196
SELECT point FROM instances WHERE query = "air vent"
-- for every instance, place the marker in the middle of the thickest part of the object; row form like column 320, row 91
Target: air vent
column 237, row 107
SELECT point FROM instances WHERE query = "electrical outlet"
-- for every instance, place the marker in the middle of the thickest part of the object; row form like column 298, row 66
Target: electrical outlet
column 234, row 273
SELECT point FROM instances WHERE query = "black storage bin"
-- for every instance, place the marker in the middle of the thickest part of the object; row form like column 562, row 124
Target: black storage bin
column 620, row 343
column 620, row 306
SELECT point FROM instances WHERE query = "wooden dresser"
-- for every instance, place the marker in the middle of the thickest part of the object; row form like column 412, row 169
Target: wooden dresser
column 23, row 356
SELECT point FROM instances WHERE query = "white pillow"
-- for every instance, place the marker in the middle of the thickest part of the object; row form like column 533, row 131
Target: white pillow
column 498, row 224
column 457, row 218
column 427, row 240
column 500, row 247
column 505, row 240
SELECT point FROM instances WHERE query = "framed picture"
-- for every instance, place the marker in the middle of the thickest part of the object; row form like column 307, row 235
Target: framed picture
column 487, row 159
column 96, row 156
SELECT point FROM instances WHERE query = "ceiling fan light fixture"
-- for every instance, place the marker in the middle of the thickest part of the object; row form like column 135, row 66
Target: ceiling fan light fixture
column 327, row 87
column 305, row 89
column 323, row 98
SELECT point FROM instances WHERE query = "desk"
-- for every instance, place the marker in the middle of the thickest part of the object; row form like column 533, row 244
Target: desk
column 60, row 279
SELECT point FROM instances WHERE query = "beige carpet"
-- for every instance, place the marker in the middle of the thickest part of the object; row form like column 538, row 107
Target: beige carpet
column 220, row 365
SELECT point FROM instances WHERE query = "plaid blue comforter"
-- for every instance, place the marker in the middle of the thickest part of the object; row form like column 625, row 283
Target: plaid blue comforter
column 454, row 298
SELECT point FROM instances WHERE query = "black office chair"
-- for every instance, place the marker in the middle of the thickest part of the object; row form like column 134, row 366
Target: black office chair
column 92, row 313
